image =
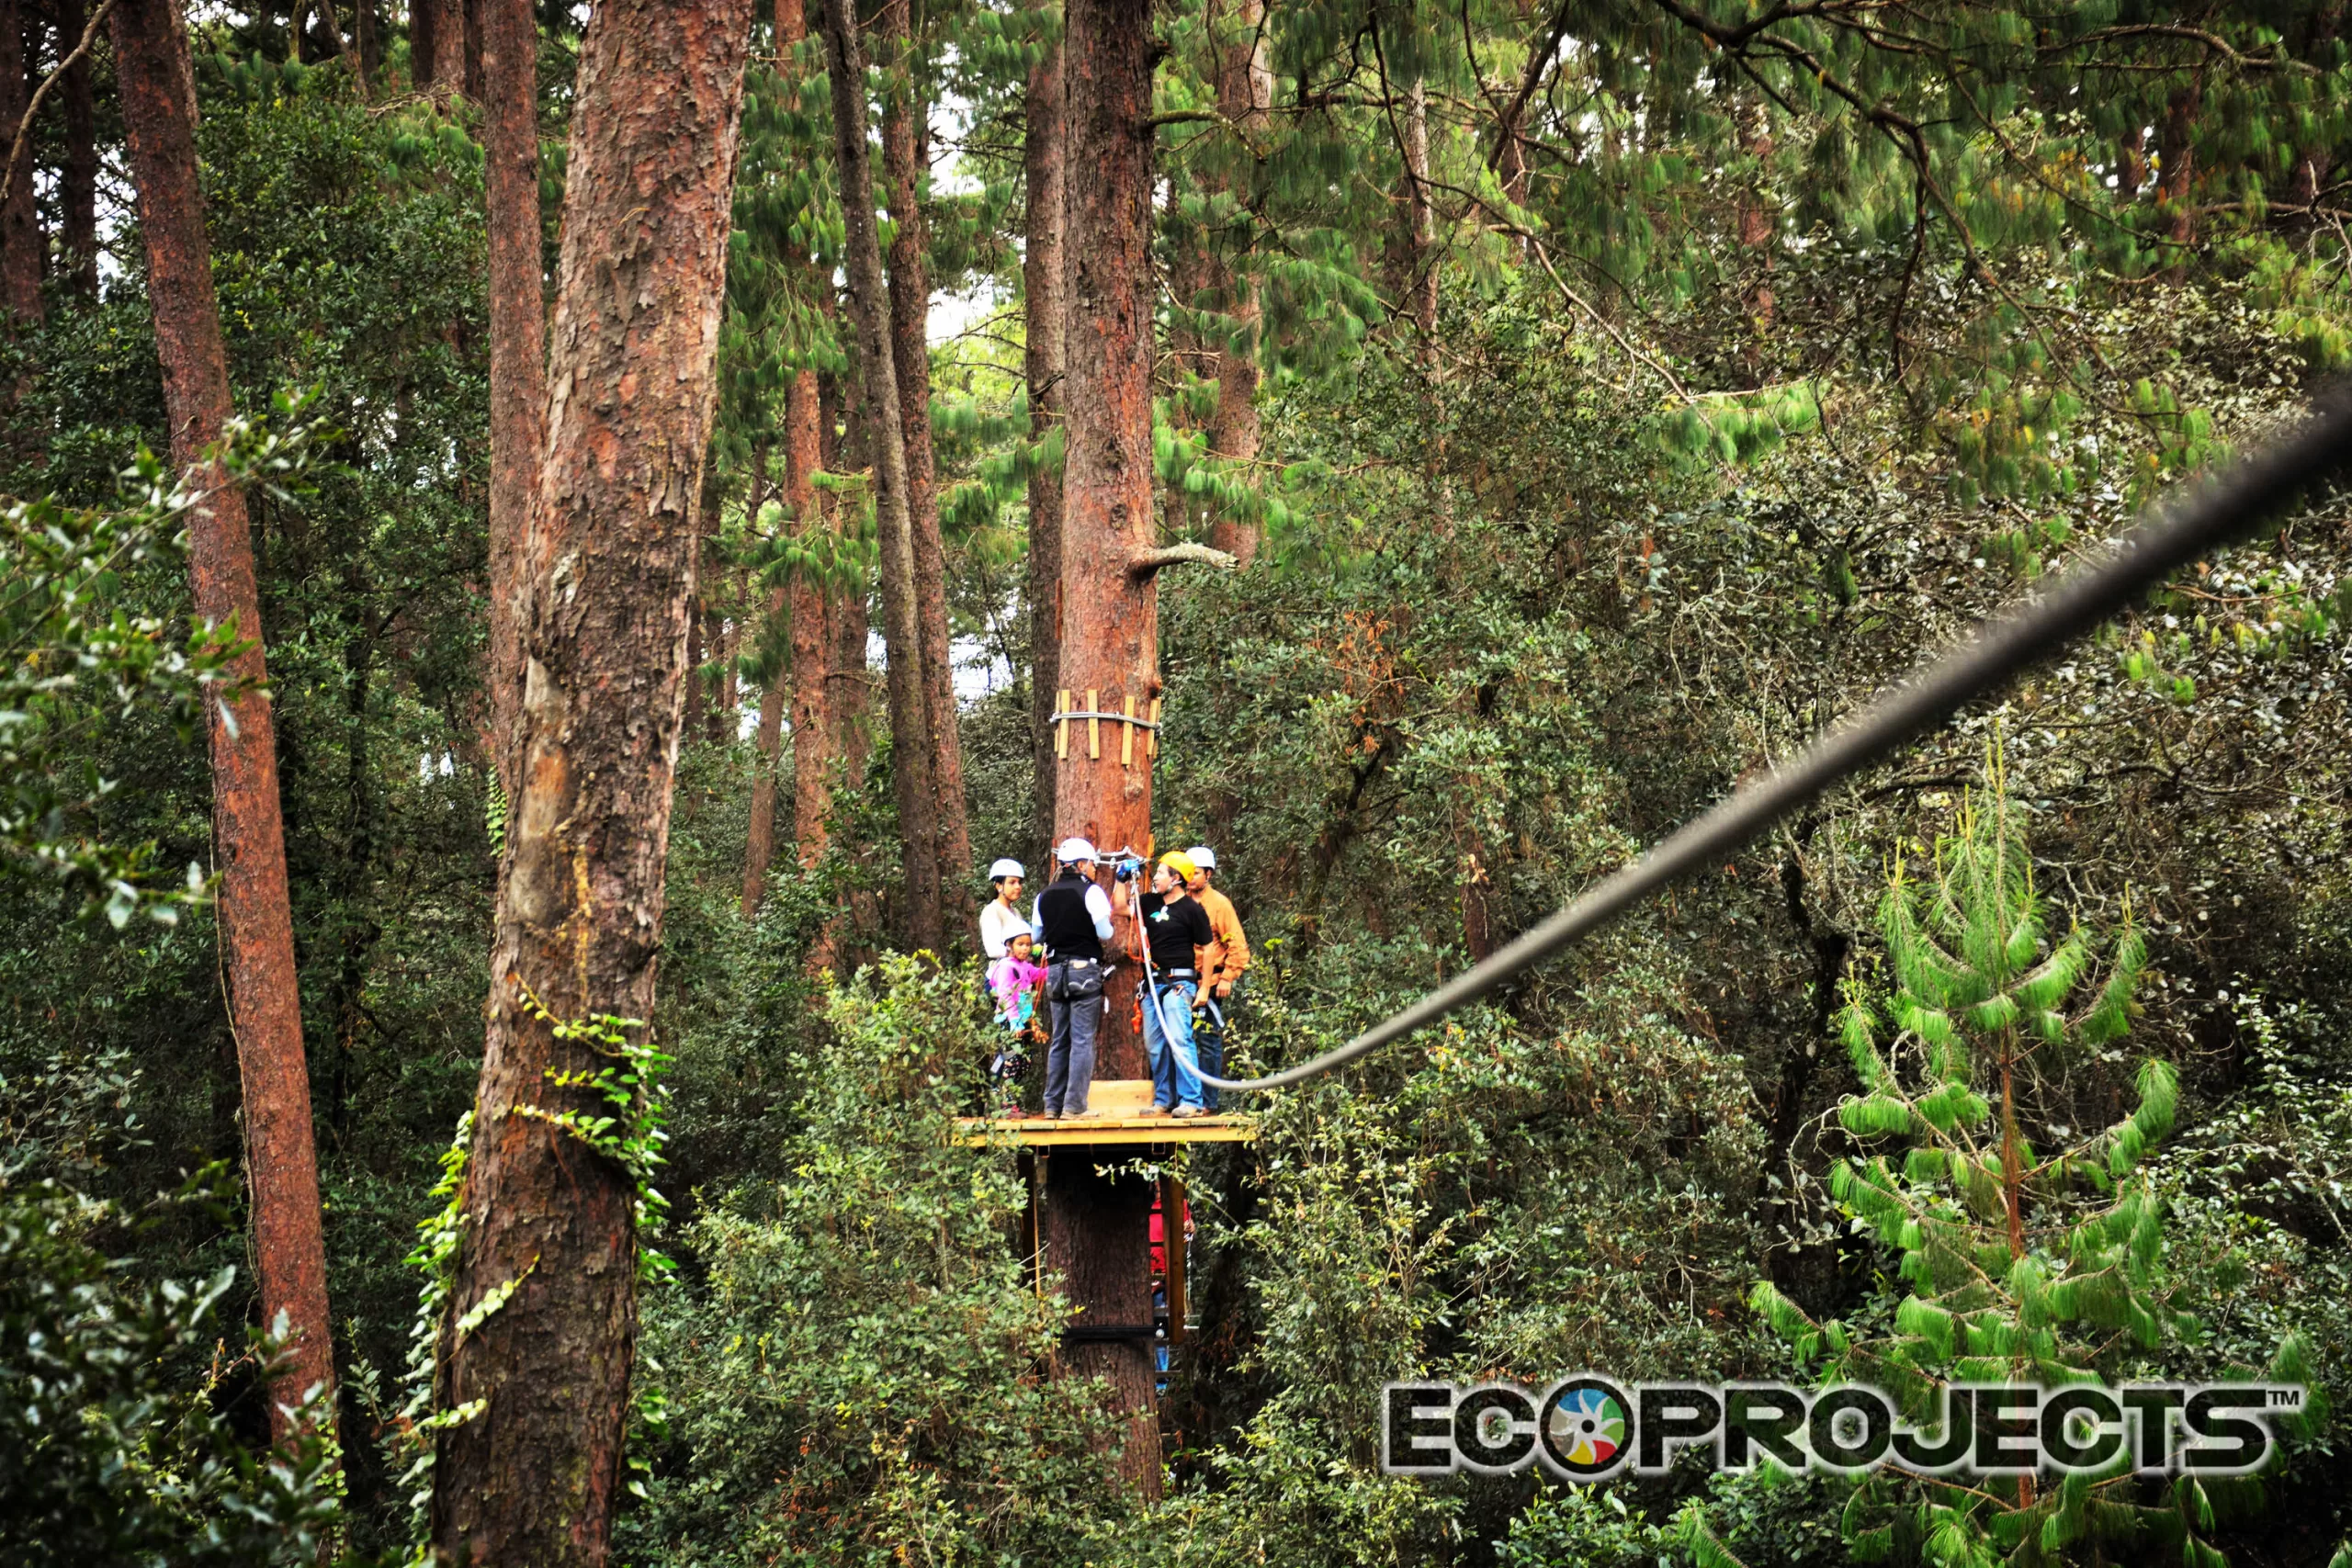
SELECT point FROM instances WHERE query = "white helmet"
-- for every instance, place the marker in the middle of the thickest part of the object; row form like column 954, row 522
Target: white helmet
column 1075, row 852
column 1202, row 856
column 1005, row 868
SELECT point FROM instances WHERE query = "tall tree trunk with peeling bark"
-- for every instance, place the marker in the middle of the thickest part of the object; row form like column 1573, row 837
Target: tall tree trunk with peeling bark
column 20, row 237
column 77, row 175
column 812, row 635
column 789, row 674
column 1245, row 87
column 906, row 140
column 1422, row 289
column 1042, row 363
column 436, row 45
column 510, row 58
column 1110, row 645
column 869, row 304
column 546, row 1274
column 158, row 93
column 807, row 600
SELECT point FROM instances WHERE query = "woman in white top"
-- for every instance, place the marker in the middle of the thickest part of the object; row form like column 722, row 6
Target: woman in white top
column 1000, row 922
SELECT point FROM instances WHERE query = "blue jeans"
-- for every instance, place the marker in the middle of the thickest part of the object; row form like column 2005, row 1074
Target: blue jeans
column 1208, row 1038
column 1175, row 1072
column 1070, row 1057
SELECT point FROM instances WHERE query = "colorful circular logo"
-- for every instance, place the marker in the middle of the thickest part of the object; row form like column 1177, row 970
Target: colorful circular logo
column 1587, row 1428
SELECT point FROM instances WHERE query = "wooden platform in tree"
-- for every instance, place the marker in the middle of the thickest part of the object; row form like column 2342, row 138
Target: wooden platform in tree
column 1118, row 1104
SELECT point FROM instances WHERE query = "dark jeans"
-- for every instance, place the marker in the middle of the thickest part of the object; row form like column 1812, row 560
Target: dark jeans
column 1069, row 1054
column 1208, row 1035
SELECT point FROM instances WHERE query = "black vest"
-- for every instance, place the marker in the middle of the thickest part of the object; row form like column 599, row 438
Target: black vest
column 1061, row 910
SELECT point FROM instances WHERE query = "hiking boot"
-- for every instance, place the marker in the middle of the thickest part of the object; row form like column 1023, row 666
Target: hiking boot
column 1155, row 1110
column 1186, row 1113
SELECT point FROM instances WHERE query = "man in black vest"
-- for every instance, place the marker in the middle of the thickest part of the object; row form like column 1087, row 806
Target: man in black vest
column 1073, row 919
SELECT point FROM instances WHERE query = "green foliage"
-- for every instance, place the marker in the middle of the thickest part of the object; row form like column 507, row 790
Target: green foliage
column 863, row 1368
column 110, row 1460
column 77, row 655
column 2020, row 1266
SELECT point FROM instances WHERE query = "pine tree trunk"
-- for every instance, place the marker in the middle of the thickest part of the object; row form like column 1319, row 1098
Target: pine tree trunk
column 2176, row 177
column 905, row 139
column 365, row 39
column 767, row 742
column 473, row 67
column 2315, row 161
column 807, row 676
column 1758, row 223
column 158, row 94
column 1110, row 647
column 812, row 722
column 1245, row 88
column 424, row 16
column 21, row 244
column 77, row 177
column 869, row 303
column 1096, row 1228
column 1422, row 286
column 548, row 1217
column 437, row 45
column 517, row 341
column 1043, row 364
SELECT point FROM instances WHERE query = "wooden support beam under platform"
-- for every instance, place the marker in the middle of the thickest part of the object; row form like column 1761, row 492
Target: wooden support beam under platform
column 1119, row 1104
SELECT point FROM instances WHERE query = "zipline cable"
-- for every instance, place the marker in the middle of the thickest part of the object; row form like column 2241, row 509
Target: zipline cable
column 2176, row 532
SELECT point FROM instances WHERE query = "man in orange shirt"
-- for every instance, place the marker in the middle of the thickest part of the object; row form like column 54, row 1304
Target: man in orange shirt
column 1221, row 966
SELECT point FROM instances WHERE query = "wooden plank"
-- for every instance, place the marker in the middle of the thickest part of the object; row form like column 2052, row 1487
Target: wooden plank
column 1037, row 1133
column 1094, row 729
column 1128, row 735
column 1061, row 727
column 1151, row 744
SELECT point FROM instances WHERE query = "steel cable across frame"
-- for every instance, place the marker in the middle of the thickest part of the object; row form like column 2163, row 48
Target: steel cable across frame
column 2176, row 531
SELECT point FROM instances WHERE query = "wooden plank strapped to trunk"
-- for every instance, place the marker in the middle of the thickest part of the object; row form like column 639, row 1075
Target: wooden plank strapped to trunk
column 1095, row 717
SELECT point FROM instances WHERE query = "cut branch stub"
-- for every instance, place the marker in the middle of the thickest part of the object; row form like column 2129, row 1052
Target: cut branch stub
column 1146, row 564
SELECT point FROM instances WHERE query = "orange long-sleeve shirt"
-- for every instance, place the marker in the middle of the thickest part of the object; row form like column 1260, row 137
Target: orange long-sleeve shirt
column 1222, row 962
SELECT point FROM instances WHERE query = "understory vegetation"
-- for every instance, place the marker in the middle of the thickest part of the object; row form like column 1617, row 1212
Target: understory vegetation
column 1717, row 416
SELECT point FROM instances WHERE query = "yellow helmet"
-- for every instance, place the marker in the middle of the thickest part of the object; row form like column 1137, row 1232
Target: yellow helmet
column 1181, row 863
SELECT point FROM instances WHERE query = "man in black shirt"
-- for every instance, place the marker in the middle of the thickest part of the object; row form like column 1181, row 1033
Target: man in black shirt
column 1175, row 927
column 1073, row 919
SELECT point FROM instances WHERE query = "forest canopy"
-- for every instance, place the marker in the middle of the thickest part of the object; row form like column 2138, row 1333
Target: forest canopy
column 555, row 552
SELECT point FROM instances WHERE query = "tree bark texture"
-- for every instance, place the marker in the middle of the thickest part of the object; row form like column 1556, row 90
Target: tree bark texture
column 2177, row 171
column 808, row 600
column 438, row 44
column 518, row 387
column 1245, row 90
column 1110, row 646
column 814, row 726
column 1110, row 643
column 547, row 1216
column 366, row 38
column 759, row 849
column 77, row 177
column 1042, row 364
column 158, row 94
column 869, row 303
column 473, row 67
column 20, row 236
column 905, row 140
column 1096, row 1229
